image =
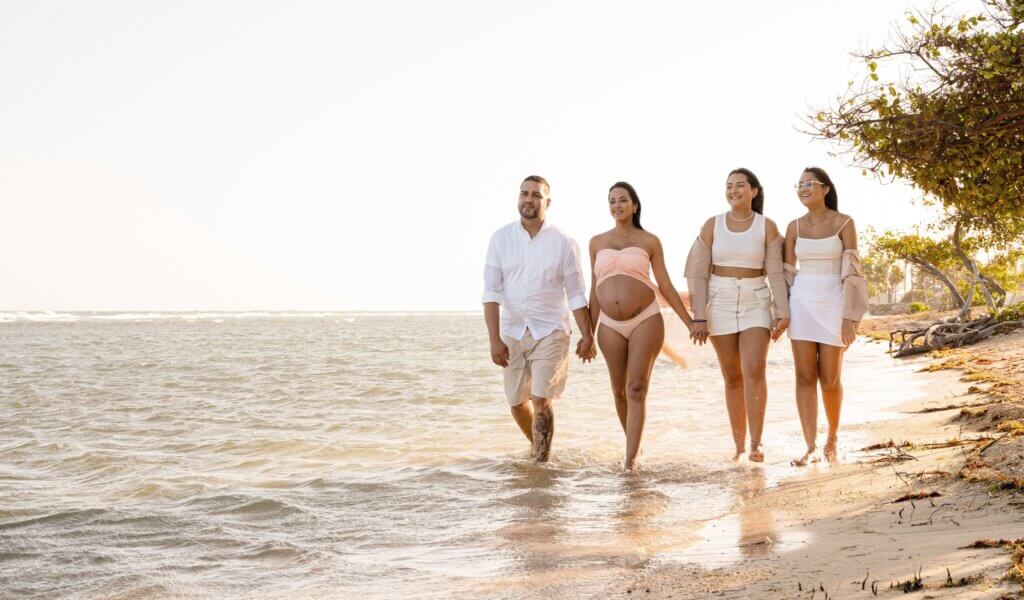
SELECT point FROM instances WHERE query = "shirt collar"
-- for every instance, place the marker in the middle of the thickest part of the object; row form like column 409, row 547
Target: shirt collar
column 543, row 225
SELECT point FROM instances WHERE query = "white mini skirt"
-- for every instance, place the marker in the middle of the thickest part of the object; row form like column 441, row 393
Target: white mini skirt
column 736, row 304
column 816, row 309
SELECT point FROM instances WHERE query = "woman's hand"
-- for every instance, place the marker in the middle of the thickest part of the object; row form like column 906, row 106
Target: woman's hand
column 699, row 332
column 849, row 331
column 779, row 326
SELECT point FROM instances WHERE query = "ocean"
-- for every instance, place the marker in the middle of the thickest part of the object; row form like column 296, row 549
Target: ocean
column 369, row 455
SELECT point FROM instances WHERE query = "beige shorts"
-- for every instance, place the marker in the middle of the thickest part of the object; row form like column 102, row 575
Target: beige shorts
column 536, row 367
column 738, row 304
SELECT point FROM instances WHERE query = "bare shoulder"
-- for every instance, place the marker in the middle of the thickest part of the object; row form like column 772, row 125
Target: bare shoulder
column 707, row 230
column 770, row 227
column 791, row 228
column 650, row 242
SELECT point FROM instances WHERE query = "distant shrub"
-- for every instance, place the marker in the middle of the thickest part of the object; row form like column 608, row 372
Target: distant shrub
column 1011, row 313
column 916, row 307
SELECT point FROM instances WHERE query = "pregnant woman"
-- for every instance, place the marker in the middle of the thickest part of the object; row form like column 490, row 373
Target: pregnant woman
column 828, row 297
column 624, row 301
column 733, row 301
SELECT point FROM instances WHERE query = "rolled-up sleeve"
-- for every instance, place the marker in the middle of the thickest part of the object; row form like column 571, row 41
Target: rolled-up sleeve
column 493, row 279
column 777, row 278
column 855, row 286
column 572, row 276
column 697, row 273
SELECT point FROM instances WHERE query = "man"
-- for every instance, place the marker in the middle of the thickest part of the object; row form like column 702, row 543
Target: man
column 533, row 271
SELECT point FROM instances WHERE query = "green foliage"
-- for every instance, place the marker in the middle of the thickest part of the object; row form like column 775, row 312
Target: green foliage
column 916, row 307
column 1011, row 313
column 951, row 119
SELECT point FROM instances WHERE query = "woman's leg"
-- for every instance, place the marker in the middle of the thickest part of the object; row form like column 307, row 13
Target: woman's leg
column 805, row 360
column 753, row 350
column 727, row 348
column 615, row 349
column 644, row 345
column 830, row 367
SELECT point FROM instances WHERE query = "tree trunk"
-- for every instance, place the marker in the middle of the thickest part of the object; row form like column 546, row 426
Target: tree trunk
column 972, row 267
column 937, row 274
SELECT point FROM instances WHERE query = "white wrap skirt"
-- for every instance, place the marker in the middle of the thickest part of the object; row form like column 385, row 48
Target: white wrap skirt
column 816, row 309
column 736, row 304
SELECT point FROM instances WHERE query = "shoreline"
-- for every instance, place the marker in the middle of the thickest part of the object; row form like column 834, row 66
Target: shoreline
column 838, row 529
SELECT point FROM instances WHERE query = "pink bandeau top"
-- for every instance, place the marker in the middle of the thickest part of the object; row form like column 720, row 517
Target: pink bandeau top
column 631, row 261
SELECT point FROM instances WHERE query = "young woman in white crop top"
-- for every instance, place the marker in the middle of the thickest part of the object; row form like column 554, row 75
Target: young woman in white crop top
column 819, row 331
column 736, row 303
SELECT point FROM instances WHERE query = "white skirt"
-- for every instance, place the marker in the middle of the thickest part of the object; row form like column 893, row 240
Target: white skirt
column 816, row 309
column 736, row 304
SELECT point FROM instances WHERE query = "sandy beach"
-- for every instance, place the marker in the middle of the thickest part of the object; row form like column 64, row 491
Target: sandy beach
column 924, row 514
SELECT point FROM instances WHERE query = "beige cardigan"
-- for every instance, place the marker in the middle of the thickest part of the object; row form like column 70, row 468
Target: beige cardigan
column 698, row 271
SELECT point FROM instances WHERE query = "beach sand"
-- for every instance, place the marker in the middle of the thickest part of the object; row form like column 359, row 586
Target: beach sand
column 842, row 530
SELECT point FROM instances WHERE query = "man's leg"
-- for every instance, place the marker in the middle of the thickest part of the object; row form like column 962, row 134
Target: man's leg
column 517, row 386
column 548, row 366
column 543, row 428
column 523, row 414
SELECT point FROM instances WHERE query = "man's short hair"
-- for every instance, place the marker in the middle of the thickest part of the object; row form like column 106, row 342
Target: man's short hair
column 540, row 180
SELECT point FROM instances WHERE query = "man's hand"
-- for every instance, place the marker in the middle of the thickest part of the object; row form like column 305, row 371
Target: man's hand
column 849, row 331
column 779, row 326
column 699, row 332
column 586, row 349
column 499, row 352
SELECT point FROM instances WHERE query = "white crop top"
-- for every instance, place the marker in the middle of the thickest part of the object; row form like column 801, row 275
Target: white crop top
column 822, row 256
column 743, row 249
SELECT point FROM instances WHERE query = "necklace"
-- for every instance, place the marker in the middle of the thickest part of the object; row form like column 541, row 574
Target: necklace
column 752, row 213
column 810, row 221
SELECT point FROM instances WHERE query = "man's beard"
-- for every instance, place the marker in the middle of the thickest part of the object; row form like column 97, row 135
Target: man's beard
column 528, row 212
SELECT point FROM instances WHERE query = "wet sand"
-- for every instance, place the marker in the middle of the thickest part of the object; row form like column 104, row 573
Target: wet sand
column 841, row 529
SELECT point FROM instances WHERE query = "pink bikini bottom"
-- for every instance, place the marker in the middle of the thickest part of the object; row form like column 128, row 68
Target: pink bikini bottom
column 626, row 328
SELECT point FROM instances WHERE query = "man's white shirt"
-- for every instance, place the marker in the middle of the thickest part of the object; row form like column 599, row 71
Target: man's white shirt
column 537, row 281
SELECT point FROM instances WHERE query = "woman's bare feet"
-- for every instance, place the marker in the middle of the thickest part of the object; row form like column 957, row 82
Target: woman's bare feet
column 756, row 453
column 830, row 448
column 810, row 457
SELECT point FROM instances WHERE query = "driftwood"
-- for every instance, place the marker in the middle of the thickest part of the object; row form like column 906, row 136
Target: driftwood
column 946, row 333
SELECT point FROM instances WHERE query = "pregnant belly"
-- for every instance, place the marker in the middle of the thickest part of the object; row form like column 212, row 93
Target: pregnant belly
column 623, row 297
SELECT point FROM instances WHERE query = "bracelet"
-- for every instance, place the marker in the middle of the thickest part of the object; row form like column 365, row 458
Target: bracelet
column 699, row 320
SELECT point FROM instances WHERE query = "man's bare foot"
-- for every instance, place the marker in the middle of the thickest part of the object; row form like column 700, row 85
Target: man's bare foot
column 810, row 457
column 830, row 449
column 756, row 454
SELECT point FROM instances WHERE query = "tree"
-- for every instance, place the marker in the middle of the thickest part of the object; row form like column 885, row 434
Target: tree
column 951, row 120
column 948, row 115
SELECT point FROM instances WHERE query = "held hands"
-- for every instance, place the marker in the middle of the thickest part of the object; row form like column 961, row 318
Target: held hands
column 699, row 332
column 849, row 331
column 499, row 352
column 779, row 326
column 586, row 349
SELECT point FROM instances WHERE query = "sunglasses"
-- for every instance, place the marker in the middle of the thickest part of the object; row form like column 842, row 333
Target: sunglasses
column 806, row 185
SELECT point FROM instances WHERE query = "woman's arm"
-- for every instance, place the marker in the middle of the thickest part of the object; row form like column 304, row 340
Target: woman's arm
column 665, row 283
column 775, row 274
column 855, row 289
column 595, row 308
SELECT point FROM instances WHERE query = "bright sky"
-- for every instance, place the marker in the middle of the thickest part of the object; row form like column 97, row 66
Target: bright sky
column 358, row 155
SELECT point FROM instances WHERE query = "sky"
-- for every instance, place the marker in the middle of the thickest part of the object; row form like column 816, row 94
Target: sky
column 358, row 155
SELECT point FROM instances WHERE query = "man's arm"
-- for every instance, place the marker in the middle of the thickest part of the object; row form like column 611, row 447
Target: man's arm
column 493, row 284
column 575, row 292
column 499, row 351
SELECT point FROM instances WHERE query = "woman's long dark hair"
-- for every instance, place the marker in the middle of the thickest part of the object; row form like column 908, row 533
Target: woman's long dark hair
column 635, row 198
column 832, row 197
column 757, row 204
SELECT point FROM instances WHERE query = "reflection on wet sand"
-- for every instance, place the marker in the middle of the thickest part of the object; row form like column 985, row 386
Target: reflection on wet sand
column 757, row 522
